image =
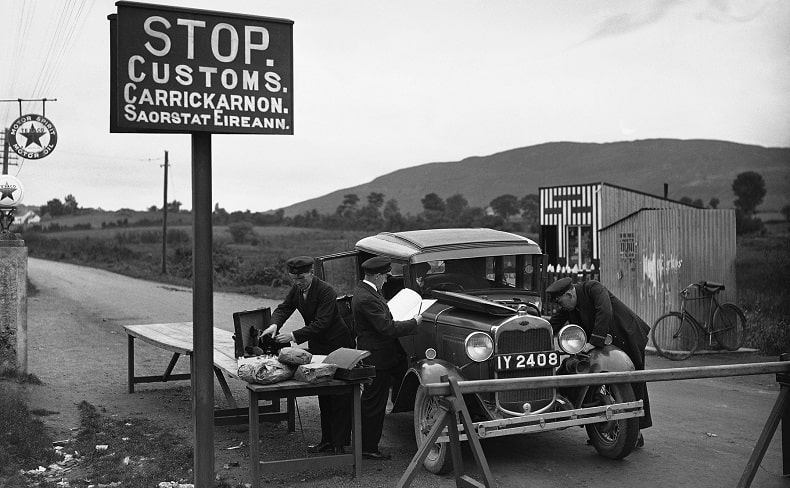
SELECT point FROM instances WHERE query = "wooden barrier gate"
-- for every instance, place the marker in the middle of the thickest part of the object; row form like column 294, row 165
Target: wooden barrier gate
column 452, row 405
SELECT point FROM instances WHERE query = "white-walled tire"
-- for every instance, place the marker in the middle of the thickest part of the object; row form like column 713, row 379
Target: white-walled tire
column 426, row 411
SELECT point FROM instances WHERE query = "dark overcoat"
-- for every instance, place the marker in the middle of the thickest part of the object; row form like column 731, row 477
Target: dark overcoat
column 376, row 329
column 600, row 313
column 324, row 330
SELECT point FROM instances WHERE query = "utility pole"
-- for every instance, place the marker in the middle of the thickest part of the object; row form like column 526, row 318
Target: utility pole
column 164, row 222
column 5, row 151
column 9, row 158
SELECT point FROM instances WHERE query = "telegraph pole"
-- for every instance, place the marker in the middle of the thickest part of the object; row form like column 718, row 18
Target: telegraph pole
column 164, row 222
column 5, row 151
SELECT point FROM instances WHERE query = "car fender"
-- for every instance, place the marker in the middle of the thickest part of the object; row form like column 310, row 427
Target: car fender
column 421, row 373
column 609, row 359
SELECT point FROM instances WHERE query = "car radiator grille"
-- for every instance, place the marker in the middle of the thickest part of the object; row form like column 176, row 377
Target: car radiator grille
column 518, row 341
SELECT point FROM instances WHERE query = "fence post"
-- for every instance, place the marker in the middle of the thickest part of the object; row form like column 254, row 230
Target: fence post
column 780, row 412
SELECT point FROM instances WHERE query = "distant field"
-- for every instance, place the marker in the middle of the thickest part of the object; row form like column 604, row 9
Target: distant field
column 257, row 266
column 252, row 267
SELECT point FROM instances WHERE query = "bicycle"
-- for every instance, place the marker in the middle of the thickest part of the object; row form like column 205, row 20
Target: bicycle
column 675, row 335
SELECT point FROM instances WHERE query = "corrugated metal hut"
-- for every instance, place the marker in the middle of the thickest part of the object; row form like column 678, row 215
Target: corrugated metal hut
column 571, row 217
column 649, row 256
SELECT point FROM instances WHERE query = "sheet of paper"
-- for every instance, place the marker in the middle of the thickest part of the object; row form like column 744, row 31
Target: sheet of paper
column 408, row 303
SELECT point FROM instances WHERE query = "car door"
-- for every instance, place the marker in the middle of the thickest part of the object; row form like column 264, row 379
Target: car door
column 340, row 270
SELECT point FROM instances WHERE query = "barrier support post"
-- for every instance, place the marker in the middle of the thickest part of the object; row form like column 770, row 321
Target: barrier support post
column 451, row 408
column 780, row 412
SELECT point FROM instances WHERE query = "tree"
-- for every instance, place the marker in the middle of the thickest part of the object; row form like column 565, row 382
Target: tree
column 220, row 216
column 694, row 203
column 433, row 203
column 505, row 205
column 350, row 200
column 749, row 187
column 174, row 206
column 455, row 206
column 393, row 220
column 375, row 199
column 70, row 205
column 714, row 203
column 53, row 207
column 530, row 211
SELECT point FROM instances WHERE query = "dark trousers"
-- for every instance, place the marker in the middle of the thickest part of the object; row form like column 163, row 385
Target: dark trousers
column 335, row 419
column 374, row 405
column 640, row 391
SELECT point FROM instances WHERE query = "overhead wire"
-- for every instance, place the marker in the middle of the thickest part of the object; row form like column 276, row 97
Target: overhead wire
column 73, row 19
column 69, row 18
column 21, row 35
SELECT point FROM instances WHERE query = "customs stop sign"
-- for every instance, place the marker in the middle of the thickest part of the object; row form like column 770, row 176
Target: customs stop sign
column 188, row 70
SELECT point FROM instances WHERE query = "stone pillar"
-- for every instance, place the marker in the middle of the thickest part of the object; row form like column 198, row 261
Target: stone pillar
column 13, row 302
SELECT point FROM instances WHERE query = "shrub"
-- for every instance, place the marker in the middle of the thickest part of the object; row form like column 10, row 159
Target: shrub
column 240, row 231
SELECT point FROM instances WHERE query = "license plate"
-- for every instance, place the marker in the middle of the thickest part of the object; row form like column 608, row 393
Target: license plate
column 527, row 360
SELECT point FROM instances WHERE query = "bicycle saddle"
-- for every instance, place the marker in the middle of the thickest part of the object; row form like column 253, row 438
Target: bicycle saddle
column 712, row 287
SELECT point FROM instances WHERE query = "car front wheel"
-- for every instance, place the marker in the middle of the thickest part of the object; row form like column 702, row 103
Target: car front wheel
column 614, row 439
column 426, row 412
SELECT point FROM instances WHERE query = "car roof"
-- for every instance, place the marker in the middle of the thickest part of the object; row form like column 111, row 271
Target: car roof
column 418, row 246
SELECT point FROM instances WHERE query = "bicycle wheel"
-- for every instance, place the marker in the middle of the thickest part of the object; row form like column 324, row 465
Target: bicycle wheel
column 729, row 326
column 674, row 336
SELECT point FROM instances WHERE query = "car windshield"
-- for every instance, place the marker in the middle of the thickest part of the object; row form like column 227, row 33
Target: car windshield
column 514, row 271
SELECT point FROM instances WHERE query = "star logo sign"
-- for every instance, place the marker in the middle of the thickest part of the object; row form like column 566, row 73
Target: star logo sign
column 7, row 191
column 32, row 135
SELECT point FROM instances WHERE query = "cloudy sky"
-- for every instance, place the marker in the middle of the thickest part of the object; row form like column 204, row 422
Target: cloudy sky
column 381, row 85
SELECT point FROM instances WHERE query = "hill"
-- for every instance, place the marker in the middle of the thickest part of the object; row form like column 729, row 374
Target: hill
column 694, row 168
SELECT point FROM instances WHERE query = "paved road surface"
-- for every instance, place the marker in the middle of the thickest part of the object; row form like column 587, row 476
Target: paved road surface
column 704, row 430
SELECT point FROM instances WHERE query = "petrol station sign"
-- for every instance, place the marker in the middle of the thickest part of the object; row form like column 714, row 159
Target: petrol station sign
column 179, row 70
column 32, row 136
column 11, row 191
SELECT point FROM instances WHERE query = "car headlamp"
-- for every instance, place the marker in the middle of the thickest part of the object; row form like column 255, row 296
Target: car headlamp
column 571, row 339
column 479, row 346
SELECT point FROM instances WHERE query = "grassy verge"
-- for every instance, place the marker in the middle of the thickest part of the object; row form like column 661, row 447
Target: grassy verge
column 106, row 451
column 763, row 271
column 24, row 442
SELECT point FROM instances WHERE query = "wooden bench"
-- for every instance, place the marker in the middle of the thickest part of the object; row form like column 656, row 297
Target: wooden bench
column 177, row 338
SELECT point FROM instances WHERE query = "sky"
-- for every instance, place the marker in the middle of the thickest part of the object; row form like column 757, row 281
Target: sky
column 381, row 85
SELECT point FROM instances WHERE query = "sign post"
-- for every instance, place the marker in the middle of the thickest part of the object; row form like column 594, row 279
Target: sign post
column 200, row 72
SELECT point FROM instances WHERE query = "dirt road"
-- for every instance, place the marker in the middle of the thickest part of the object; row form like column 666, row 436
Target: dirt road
column 704, row 430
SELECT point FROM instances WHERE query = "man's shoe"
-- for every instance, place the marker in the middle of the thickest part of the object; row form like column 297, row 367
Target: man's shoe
column 320, row 447
column 376, row 455
column 640, row 441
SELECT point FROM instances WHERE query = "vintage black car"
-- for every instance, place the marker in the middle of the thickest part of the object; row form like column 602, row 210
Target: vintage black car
column 486, row 323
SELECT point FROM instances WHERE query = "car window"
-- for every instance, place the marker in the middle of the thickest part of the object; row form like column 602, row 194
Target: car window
column 341, row 274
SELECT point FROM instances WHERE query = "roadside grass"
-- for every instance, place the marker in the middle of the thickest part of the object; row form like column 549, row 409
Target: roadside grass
column 24, row 442
column 106, row 451
column 763, row 274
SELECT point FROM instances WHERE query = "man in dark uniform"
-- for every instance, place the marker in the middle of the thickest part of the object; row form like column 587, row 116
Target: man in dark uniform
column 324, row 332
column 590, row 305
column 378, row 333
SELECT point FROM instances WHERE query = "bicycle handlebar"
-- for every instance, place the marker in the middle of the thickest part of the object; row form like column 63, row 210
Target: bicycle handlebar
column 709, row 286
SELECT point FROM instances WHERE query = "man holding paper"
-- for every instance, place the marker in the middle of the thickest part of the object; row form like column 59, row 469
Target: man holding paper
column 378, row 333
